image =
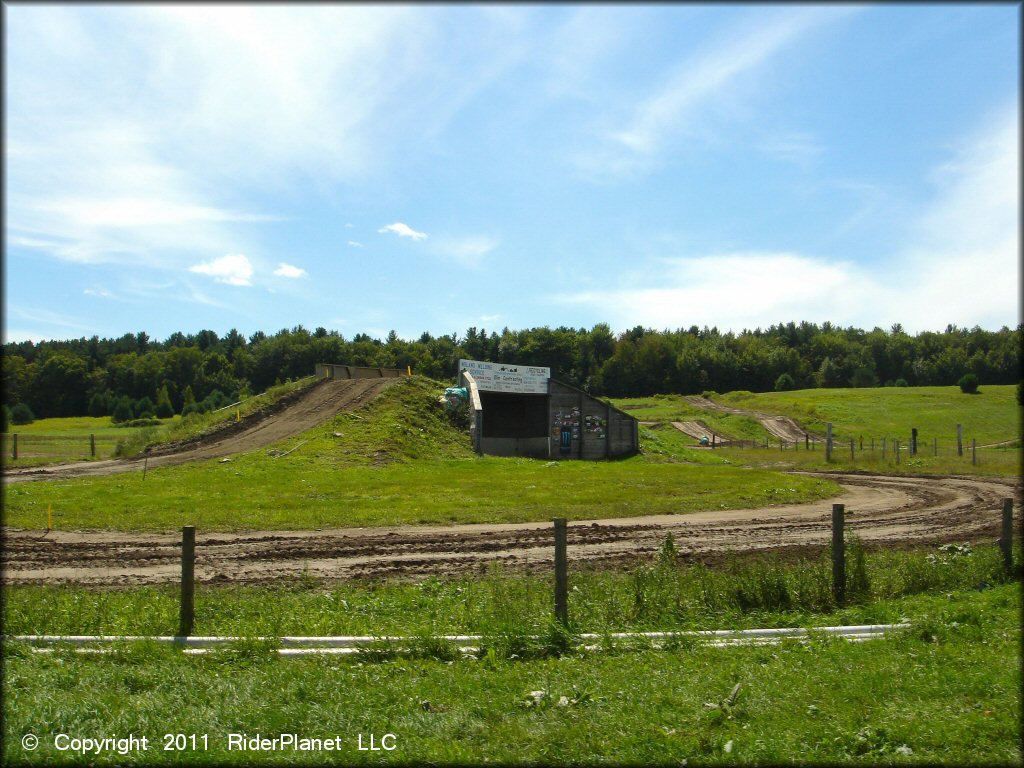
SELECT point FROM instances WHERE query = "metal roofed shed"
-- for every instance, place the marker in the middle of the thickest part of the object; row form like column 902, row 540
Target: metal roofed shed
column 519, row 410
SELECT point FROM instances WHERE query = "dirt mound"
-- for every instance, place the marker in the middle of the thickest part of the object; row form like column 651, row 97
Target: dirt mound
column 780, row 426
column 293, row 414
column 699, row 429
column 889, row 511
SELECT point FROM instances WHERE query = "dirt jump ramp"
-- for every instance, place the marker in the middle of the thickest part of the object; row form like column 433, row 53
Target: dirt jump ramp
column 292, row 415
column 699, row 429
column 782, row 427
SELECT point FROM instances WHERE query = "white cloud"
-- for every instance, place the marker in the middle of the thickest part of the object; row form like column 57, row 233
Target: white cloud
column 683, row 105
column 468, row 251
column 354, row 244
column 101, row 293
column 287, row 270
column 959, row 264
column 233, row 269
column 734, row 290
column 403, row 230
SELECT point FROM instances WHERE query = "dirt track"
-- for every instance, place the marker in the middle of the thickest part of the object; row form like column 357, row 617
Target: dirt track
column 779, row 426
column 881, row 510
column 293, row 415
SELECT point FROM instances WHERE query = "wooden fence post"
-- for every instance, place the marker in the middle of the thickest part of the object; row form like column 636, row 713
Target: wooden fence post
column 896, row 450
column 851, row 449
column 913, row 441
column 883, row 449
column 1006, row 536
column 92, row 446
column 14, row 446
column 959, row 439
column 561, row 573
column 838, row 554
column 188, row 580
column 828, row 441
column 974, row 451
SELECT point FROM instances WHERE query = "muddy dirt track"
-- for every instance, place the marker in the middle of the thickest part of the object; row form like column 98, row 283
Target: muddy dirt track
column 292, row 415
column 894, row 511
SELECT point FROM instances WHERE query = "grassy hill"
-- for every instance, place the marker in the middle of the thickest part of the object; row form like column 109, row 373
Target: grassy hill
column 989, row 417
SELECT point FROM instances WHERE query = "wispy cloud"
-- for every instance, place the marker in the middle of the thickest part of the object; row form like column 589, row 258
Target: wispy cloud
column 467, row 251
column 354, row 244
column 681, row 106
column 233, row 269
column 403, row 230
column 288, row 270
column 959, row 263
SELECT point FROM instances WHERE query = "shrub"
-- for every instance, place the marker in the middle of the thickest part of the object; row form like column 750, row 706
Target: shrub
column 968, row 384
column 144, row 408
column 22, row 414
column 784, row 383
column 122, row 410
column 900, row 383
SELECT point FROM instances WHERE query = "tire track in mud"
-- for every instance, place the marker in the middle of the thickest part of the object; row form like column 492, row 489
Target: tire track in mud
column 881, row 510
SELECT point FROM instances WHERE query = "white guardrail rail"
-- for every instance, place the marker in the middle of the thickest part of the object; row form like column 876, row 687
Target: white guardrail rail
column 302, row 646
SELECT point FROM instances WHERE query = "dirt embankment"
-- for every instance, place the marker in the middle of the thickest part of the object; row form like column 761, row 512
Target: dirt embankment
column 780, row 426
column 890, row 511
column 293, row 414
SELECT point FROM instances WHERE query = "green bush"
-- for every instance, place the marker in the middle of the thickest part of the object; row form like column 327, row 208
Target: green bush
column 968, row 384
column 144, row 408
column 900, row 383
column 22, row 414
column 122, row 410
column 785, row 383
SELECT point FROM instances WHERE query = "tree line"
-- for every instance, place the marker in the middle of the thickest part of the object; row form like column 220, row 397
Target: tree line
column 135, row 376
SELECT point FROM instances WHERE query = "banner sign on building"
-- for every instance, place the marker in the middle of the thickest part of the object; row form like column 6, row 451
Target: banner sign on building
column 503, row 377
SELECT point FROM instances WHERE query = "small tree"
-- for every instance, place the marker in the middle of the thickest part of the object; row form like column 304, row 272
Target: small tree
column 785, row 383
column 968, row 384
column 122, row 410
column 164, row 409
column 144, row 408
column 22, row 414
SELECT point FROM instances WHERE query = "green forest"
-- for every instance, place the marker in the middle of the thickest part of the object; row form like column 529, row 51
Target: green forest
column 135, row 376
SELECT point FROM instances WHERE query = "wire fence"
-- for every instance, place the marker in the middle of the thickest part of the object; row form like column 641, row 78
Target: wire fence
column 14, row 446
column 887, row 448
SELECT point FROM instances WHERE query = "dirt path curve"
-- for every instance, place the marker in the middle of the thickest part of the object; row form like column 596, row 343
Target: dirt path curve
column 779, row 426
column 293, row 414
column 880, row 509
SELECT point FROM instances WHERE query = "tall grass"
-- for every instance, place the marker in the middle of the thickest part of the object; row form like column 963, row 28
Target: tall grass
column 513, row 611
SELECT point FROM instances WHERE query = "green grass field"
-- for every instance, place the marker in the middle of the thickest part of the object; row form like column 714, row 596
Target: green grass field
column 991, row 416
column 396, row 460
column 946, row 691
column 668, row 408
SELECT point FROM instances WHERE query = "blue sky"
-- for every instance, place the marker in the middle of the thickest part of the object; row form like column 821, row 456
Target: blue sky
column 431, row 168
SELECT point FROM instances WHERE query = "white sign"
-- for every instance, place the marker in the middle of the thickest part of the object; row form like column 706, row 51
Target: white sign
column 503, row 377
